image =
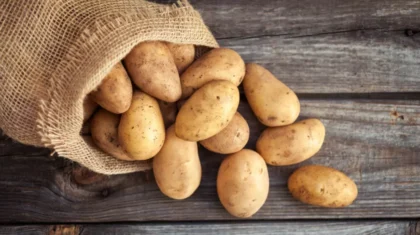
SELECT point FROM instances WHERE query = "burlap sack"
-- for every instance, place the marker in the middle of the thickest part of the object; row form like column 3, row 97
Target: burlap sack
column 54, row 52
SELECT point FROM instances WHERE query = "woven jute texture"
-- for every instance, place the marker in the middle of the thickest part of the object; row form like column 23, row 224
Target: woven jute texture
column 54, row 52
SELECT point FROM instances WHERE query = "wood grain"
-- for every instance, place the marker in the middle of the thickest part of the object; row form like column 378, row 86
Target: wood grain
column 247, row 18
column 375, row 142
column 352, row 62
column 287, row 228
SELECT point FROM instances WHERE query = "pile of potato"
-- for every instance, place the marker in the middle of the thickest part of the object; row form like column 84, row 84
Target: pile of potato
column 178, row 102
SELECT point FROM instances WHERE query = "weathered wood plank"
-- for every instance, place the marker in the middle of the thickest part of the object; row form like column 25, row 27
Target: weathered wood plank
column 375, row 142
column 353, row 62
column 247, row 18
column 289, row 228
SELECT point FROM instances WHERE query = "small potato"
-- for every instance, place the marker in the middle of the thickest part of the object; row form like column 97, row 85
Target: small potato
column 177, row 167
column 287, row 145
column 152, row 68
column 183, row 54
column 272, row 101
column 217, row 64
column 243, row 183
column 231, row 139
column 104, row 129
column 322, row 186
column 89, row 107
column 208, row 111
column 141, row 131
column 115, row 92
column 169, row 111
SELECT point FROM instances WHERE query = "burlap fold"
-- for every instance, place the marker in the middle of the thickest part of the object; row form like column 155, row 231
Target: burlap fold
column 54, row 52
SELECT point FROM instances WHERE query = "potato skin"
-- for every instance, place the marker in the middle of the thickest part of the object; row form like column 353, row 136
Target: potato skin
column 243, row 183
column 322, row 186
column 115, row 92
column 208, row 111
column 177, row 167
column 104, row 129
column 217, row 64
column 141, row 131
column 183, row 54
column 169, row 111
column 287, row 145
column 152, row 68
column 231, row 139
column 89, row 107
column 272, row 101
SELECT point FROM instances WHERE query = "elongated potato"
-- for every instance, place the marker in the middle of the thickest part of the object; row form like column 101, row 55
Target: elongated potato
column 104, row 129
column 231, row 139
column 152, row 68
column 287, row 145
column 208, row 111
column 169, row 111
column 89, row 107
column 141, row 131
column 183, row 54
column 177, row 167
column 272, row 101
column 115, row 92
column 322, row 186
column 243, row 183
column 217, row 64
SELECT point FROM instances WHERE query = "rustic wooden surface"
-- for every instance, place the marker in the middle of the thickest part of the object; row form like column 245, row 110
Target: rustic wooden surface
column 354, row 64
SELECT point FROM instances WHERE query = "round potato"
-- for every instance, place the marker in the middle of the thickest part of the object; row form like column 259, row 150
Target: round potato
column 169, row 111
column 115, row 92
column 183, row 54
column 104, row 129
column 243, row 183
column 217, row 64
column 89, row 107
column 152, row 68
column 322, row 186
column 177, row 167
column 231, row 139
column 287, row 145
column 272, row 101
column 141, row 131
column 208, row 111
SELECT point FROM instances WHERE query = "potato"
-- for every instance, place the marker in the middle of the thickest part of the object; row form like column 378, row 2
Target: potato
column 322, row 186
column 104, row 129
column 208, row 111
column 231, row 139
column 177, row 167
column 141, row 131
column 217, row 64
column 183, row 54
column 287, row 145
column 272, row 101
column 152, row 68
column 115, row 92
column 89, row 107
column 169, row 111
column 243, row 183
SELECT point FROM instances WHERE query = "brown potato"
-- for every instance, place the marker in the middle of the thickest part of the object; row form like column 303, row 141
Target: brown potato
column 183, row 54
column 141, row 131
column 217, row 64
column 322, row 186
column 177, row 167
column 243, row 183
column 231, row 139
column 152, row 68
column 208, row 111
column 89, row 107
column 115, row 92
column 104, row 129
column 272, row 101
column 169, row 111
column 287, row 145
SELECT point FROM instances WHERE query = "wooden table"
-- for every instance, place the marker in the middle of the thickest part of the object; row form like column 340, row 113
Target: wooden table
column 354, row 64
